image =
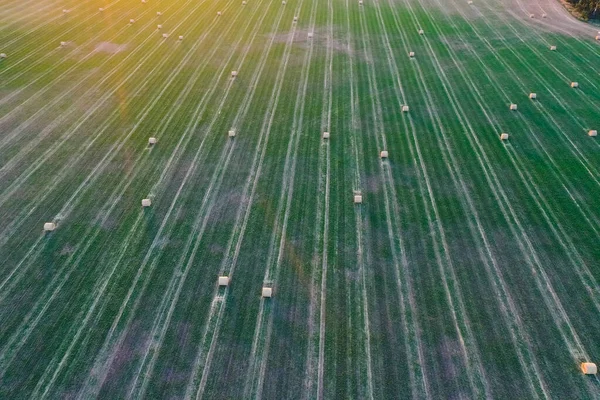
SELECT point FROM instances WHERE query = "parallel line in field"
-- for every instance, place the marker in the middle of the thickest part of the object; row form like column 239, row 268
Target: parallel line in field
column 586, row 163
column 49, row 127
column 39, row 60
column 554, row 224
column 13, row 188
column 116, row 197
column 11, row 227
column 550, row 296
column 552, row 26
column 106, row 354
column 33, row 252
column 536, row 384
column 517, row 331
column 279, row 237
column 20, row 335
column 266, row 132
column 475, row 372
column 15, row 185
column 169, row 300
column 31, row 12
column 162, row 320
column 29, row 17
column 47, row 106
column 203, row 359
column 559, row 55
column 11, row 5
column 29, row 326
column 315, row 350
column 411, row 327
column 55, row 367
column 324, row 257
column 413, row 340
column 570, row 22
column 365, row 388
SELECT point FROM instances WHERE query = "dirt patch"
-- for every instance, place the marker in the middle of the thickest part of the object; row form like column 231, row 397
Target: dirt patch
column 300, row 35
column 319, row 36
column 67, row 249
column 110, row 48
column 341, row 47
column 452, row 362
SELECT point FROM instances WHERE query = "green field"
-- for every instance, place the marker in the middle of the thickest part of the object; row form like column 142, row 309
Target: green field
column 470, row 270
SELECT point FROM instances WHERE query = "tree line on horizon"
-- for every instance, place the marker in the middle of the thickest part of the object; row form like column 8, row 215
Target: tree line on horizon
column 588, row 8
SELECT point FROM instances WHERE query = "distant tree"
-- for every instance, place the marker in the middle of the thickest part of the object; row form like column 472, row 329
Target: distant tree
column 588, row 8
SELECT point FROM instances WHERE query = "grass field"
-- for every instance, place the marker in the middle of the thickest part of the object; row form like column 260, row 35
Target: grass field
column 470, row 270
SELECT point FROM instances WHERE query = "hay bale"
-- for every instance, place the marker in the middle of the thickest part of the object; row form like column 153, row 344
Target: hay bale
column 224, row 281
column 532, row 96
column 234, row 74
column 360, row 2
column 244, row 3
column 180, row 37
column 49, row 226
column 146, row 203
column 231, row 133
column 101, row 9
column 405, row 108
column 283, row 3
column 411, row 54
column 421, row 31
column 2, row 55
column 589, row 368
column 358, row 198
column 598, row 37
column 574, row 84
column 152, row 141
column 65, row 11
column 544, row 15
column 267, row 292
column 469, row 2
column 531, row 16
column 158, row 13
column 552, row 48
column 219, row 13
column 295, row 19
column 63, row 44
column 504, row 136
column 310, row 35
column 592, row 133
column 325, row 135
column 513, row 107
column 131, row 21
column 383, row 154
